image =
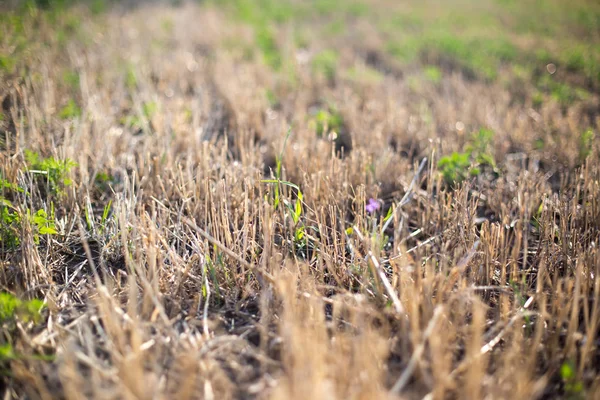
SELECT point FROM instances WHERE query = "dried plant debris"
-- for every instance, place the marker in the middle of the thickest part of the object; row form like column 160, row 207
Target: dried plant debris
column 283, row 199
column 221, row 123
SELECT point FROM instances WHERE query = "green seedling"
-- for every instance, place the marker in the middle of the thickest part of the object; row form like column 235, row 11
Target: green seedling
column 456, row 167
column 562, row 93
column 43, row 224
column 6, row 185
column 70, row 111
column 105, row 213
column 433, row 74
column 266, row 42
column 149, row 109
column 537, row 99
column 10, row 225
column 12, row 311
column 272, row 98
column 293, row 210
column 573, row 386
column 97, row 6
column 7, row 63
column 325, row 64
column 210, row 268
column 479, row 145
column 327, row 121
column 277, row 172
column 71, row 79
column 54, row 171
column 131, row 80
column 364, row 75
column 12, row 308
column 406, row 50
column 103, row 180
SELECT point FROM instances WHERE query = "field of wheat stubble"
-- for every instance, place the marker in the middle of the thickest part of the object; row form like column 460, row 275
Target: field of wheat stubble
column 263, row 199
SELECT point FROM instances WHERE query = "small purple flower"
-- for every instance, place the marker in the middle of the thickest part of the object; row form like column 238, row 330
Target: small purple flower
column 372, row 206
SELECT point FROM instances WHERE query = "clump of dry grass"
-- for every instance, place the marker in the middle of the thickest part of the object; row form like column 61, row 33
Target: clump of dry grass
column 187, row 264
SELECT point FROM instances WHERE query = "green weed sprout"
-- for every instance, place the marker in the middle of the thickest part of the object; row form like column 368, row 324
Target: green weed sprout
column 457, row 167
column 325, row 63
column 293, row 210
column 70, row 110
column 13, row 310
column 327, row 121
column 55, row 171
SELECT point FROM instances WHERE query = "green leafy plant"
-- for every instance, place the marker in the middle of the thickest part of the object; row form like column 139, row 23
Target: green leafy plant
column 149, row 109
column 575, row 61
column 6, row 185
column 363, row 74
column 211, row 267
column 478, row 147
column 272, row 98
column 277, row 173
column 105, row 215
column 293, row 209
column 327, row 121
column 13, row 310
column 97, row 6
column 42, row 224
column 456, row 167
column 103, row 180
column 54, row 171
column 8, row 306
column 573, row 386
column 167, row 25
column 71, row 79
column 563, row 93
column 325, row 64
column 70, row 110
column 10, row 223
column 406, row 50
column 433, row 74
column 7, row 63
column 131, row 80
column 482, row 56
column 6, row 353
column 266, row 42
column 9, row 217
column 537, row 99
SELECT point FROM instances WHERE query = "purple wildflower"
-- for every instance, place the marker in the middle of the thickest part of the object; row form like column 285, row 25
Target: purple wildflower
column 372, row 206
